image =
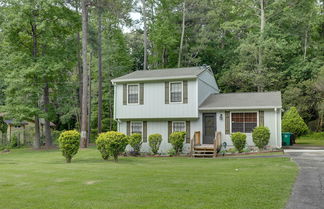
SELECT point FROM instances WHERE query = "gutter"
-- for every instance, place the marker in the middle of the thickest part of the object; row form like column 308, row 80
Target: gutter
column 114, row 81
column 239, row 108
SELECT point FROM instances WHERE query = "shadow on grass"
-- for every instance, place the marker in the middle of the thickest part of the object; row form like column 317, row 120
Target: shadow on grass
column 96, row 160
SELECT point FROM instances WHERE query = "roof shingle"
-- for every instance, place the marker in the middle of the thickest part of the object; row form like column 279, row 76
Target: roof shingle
column 246, row 100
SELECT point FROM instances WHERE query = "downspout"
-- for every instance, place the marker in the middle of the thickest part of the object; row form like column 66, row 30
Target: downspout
column 276, row 127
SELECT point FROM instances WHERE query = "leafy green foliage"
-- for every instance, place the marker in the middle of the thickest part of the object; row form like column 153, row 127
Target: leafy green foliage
column 177, row 139
column 261, row 136
column 135, row 141
column 292, row 122
column 111, row 143
column 155, row 142
column 69, row 142
column 239, row 141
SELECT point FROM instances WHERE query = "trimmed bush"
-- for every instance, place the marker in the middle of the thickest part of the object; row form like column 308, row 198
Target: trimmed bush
column 293, row 123
column 177, row 139
column 239, row 141
column 135, row 141
column 111, row 143
column 102, row 143
column 69, row 142
column 155, row 142
column 261, row 136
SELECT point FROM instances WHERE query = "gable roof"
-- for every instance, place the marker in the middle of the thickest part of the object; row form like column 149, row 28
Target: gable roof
column 245, row 100
column 162, row 74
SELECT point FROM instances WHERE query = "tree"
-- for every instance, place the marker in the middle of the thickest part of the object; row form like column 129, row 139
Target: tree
column 83, row 140
column 292, row 122
column 37, row 57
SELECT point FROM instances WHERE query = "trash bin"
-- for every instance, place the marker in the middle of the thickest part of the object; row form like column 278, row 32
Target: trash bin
column 286, row 136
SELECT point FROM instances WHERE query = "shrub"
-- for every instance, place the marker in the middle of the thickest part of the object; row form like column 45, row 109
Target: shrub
column 135, row 141
column 69, row 142
column 155, row 142
column 111, row 143
column 292, row 122
column 102, row 143
column 177, row 139
column 239, row 141
column 261, row 136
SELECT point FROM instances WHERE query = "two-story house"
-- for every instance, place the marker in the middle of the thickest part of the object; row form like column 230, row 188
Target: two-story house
column 188, row 99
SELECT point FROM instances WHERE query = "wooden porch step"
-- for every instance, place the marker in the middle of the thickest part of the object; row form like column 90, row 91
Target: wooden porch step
column 203, row 151
column 202, row 155
column 203, row 148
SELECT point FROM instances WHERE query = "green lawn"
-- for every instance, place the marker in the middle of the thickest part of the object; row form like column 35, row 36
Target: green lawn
column 41, row 179
column 313, row 139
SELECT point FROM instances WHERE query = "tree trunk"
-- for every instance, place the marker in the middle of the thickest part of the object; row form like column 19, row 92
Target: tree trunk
column 83, row 140
column 260, row 83
column 79, row 66
column 99, row 71
column 89, row 100
column 182, row 32
column 46, row 121
column 305, row 44
column 145, row 35
column 36, row 143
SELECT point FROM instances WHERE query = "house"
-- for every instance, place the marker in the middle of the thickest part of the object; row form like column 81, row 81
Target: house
column 188, row 99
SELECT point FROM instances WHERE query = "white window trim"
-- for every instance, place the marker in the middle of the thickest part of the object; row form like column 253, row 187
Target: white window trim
column 182, row 121
column 181, row 92
column 138, row 94
column 257, row 112
column 131, row 128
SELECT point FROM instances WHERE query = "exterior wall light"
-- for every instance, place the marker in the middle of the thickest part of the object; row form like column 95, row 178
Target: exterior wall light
column 221, row 116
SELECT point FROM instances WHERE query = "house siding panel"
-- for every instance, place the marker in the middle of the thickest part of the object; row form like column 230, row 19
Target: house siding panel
column 154, row 104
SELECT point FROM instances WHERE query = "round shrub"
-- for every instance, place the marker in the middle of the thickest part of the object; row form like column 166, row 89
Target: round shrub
column 177, row 139
column 155, row 142
column 261, row 136
column 135, row 141
column 69, row 142
column 239, row 141
column 111, row 143
column 293, row 123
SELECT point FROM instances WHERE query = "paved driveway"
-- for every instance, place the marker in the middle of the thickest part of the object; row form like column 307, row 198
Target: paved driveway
column 308, row 191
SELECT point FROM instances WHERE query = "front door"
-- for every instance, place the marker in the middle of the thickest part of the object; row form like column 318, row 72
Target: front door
column 209, row 127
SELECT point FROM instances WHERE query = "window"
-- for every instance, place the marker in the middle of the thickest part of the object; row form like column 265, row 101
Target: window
column 133, row 94
column 244, row 122
column 176, row 91
column 136, row 127
column 178, row 126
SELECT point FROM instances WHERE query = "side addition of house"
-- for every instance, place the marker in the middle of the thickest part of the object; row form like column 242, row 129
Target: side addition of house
column 188, row 99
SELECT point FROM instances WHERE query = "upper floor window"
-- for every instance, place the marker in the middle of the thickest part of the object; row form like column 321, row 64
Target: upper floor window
column 176, row 91
column 244, row 122
column 136, row 127
column 178, row 126
column 132, row 94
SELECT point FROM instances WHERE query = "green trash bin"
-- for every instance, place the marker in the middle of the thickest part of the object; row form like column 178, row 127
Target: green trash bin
column 286, row 139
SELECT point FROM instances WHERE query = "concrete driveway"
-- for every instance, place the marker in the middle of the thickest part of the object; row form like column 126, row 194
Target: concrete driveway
column 308, row 191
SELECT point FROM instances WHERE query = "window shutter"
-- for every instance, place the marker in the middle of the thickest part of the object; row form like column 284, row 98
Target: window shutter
column 185, row 92
column 166, row 89
column 125, row 94
column 141, row 93
column 261, row 118
column 169, row 129
column 128, row 128
column 144, row 131
column 227, row 122
column 188, row 131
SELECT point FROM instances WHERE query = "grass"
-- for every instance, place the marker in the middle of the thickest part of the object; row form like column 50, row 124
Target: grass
column 313, row 139
column 41, row 179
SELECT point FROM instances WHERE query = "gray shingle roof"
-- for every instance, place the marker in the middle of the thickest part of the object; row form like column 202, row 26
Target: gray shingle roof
column 161, row 74
column 249, row 100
